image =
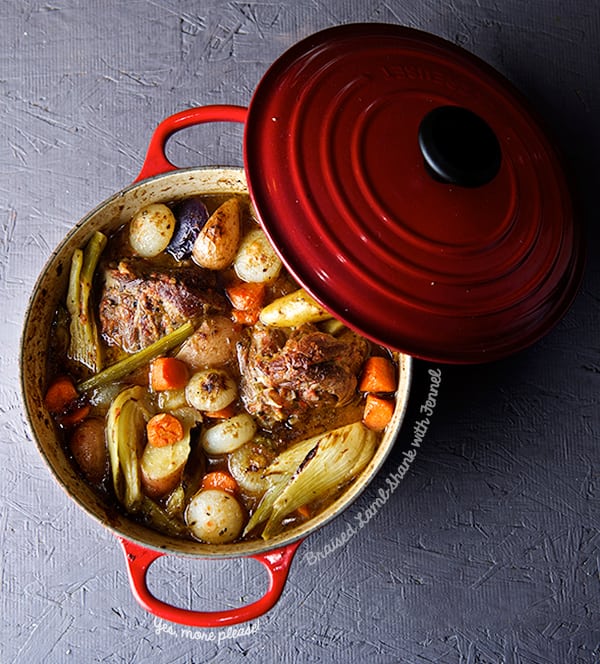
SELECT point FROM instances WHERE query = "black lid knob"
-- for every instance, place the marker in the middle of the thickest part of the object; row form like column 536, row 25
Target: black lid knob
column 459, row 147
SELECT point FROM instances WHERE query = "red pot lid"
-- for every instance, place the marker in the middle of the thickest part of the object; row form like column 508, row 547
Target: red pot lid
column 407, row 187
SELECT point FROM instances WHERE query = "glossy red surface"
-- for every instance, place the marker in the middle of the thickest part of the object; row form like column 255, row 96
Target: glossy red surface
column 439, row 271
column 156, row 161
column 276, row 561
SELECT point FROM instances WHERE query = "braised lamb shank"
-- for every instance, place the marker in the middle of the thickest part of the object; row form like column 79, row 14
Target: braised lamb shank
column 140, row 304
column 284, row 376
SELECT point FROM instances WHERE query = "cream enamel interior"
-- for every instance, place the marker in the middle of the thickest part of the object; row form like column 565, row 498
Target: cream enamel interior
column 50, row 288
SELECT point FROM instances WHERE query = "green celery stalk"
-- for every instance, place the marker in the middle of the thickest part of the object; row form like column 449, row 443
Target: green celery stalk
column 84, row 344
column 161, row 519
column 132, row 362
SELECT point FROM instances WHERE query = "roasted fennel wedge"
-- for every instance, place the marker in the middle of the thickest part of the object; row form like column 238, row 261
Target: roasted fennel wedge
column 84, row 345
column 310, row 470
column 125, row 426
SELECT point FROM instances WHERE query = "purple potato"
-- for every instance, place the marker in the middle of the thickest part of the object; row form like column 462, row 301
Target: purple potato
column 191, row 215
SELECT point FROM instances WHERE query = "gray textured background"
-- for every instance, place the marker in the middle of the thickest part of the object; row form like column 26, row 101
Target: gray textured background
column 488, row 552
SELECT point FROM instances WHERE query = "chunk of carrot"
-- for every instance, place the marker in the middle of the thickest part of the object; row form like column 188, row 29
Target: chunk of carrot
column 247, row 299
column 247, row 296
column 245, row 317
column 74, row 416
column 219, row 479
column 303, row 512
column 60, row 395
column 378, row 375
column 378, row 412
column 164, row 429
column 168, row 373
column 223, row 414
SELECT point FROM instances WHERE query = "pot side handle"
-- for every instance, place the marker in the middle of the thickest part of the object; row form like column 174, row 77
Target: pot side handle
column 276, row 561
column 156, row 161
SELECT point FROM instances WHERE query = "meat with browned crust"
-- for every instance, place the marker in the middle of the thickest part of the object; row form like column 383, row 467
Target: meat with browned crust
column 139, row 303
column 285, row 377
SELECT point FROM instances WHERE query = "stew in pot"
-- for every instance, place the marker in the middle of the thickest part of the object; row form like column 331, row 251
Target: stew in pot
column 199, row 388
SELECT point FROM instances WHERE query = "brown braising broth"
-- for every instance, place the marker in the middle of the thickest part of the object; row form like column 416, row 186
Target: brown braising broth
column 167, row 512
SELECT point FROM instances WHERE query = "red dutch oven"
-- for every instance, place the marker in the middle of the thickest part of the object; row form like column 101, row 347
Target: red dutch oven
column 407, row 186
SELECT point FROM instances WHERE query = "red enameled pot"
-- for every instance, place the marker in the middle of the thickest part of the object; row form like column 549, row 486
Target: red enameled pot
column 407, row 186
column 160, row 181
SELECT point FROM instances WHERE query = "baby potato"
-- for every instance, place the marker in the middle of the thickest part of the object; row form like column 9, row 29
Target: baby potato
column 211, row 390
column 217, row 243
column 256, row 260
column 229, row 434
column 162, row 467
column 191, row 215
column 212, row 344
column 215, row 516
column 88, row 446
column 293, row 310
column 151, row 230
